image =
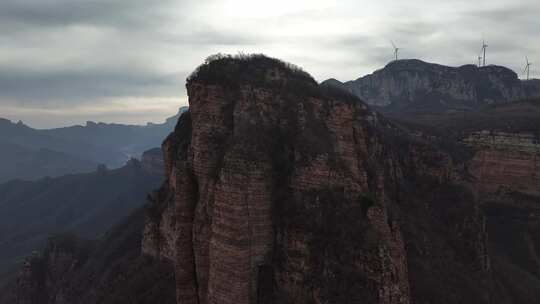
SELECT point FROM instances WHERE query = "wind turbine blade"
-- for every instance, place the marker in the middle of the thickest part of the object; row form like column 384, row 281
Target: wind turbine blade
column 393, row 45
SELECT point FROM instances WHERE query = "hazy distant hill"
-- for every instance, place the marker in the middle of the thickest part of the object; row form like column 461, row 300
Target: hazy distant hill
column 124, row 140
column 417, row 86
column 24, row 163
column 28, row 153
column 84, row 204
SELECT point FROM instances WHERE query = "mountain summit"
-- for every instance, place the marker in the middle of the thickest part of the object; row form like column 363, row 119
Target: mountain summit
column 415, row 85
column 283, row 191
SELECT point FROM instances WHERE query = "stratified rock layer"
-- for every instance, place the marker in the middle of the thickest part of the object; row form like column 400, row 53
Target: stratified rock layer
column 506, row 160
column 499, row 147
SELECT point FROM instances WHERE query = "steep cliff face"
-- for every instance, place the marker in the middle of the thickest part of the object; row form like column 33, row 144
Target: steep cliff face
column 506, row 160
column 282, row 191
column 500, row 148
column 507, row 177
column 414, row 85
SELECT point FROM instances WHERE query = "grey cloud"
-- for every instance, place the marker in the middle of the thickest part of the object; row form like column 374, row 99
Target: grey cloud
column 80, row 51
column 211, row 36
column 29, row 13
column 71, row 87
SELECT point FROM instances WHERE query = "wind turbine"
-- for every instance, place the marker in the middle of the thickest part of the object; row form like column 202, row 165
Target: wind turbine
column 479, row 61
column 527, row 67
column 484, row 47
column 396, row 49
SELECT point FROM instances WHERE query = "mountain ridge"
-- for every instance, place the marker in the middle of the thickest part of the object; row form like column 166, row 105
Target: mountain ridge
column 415, row 85
column 76, row 149
column 85, row 204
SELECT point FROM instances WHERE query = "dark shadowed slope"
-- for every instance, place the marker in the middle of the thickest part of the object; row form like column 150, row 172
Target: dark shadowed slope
column 500, row 147
column 110, row 270
column 84, row 204
column 27, row 164
column 513, row 117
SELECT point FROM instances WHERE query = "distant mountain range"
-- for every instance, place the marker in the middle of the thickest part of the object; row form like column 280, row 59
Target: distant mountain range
column 84, row 204
column 409, row 86
column 29, row 154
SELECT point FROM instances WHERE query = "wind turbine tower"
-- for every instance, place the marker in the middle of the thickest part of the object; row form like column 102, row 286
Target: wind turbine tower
column 396, row 50
column 527, row 67
column 484, row 47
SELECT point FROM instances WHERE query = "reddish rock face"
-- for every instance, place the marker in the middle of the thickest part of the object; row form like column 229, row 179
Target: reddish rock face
column 506, row 160
column 281, row 191
column 507, row 179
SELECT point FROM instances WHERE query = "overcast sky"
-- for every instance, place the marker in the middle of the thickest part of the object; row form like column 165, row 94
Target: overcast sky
column 65, row 62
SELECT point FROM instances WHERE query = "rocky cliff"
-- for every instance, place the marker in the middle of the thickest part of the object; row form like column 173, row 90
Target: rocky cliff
column 507, row 178
column 414, row 85
column 506, row 160
column 499, row 147
column 282, row 191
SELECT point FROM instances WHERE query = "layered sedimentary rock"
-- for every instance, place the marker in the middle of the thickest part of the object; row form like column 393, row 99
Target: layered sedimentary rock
column 282, row 191
column 498, row 147
column 414, row 85
column 506, row 160
column 507, row 178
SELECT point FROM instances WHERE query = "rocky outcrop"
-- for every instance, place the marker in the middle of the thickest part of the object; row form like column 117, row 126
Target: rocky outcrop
column 506, row 160
column 282, row 191
column 499, row 148
column 414, row 85
column 507, row 181
column 152, row 161
column 107, row 271
column 40, row 280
